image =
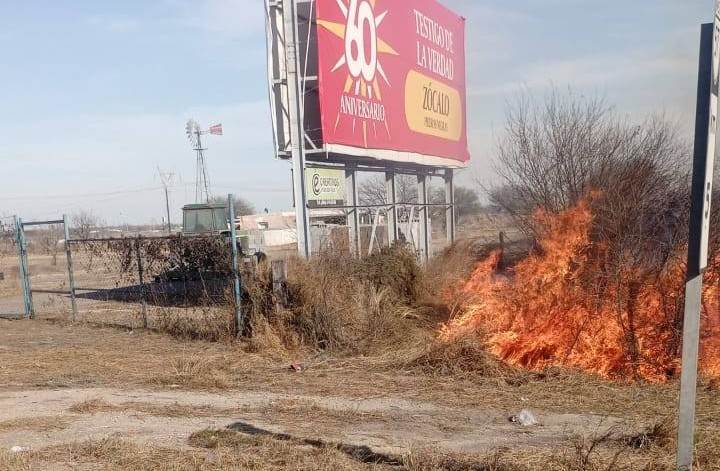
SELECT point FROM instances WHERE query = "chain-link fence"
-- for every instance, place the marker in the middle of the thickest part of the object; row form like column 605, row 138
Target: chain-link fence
column 11, row 304
column 47, row 268
column 176, row 283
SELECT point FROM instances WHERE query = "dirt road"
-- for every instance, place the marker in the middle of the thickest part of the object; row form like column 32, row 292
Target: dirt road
column 167, row 418
column 82, row 397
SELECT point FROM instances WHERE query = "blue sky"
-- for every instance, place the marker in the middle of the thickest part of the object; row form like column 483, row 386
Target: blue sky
column 95, row 95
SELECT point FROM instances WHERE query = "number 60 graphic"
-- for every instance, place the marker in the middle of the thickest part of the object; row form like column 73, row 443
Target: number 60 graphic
column 360, row 14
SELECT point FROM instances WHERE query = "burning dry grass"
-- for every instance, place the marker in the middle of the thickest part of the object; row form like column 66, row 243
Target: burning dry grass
column 557, row 308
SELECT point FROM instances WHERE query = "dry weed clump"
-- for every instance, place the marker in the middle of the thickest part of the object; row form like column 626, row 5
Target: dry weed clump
column 14, row 461
column 173, row 410
column 464, row 356
column 338, row 303
column 35, row 424
column 91, row 406
column 197, row 371
column 439, row 461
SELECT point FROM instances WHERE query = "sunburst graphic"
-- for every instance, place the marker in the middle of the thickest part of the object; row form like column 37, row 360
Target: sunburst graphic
column 361, row 57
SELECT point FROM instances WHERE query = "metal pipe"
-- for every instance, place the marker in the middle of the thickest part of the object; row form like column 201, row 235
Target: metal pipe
column 50, row 291
column 42, row 223
column 70, row 268
column 27, row 287
column 450, row 213
column 239, row 320
column 142, row 281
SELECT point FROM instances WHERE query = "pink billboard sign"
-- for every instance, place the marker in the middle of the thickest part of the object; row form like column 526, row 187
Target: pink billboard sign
column 392, row 81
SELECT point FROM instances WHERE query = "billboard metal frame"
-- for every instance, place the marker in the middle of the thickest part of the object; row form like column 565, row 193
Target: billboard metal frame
column 292, row 85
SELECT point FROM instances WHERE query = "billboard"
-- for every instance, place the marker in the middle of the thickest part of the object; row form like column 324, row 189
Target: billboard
column 392, row 81
column 382, row 81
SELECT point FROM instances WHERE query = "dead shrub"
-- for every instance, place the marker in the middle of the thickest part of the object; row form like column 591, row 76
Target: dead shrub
column 657, row 434
column 394, row 269
column 338, row 303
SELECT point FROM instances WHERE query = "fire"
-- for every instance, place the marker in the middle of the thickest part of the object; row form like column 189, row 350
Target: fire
column 560, row 307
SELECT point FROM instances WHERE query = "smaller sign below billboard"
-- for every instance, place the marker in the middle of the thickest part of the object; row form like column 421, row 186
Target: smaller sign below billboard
column 325, row 184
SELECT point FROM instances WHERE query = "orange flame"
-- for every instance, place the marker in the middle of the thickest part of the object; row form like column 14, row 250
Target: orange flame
column 548, row 310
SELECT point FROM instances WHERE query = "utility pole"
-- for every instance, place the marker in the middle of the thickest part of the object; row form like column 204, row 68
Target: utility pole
column 166, row 179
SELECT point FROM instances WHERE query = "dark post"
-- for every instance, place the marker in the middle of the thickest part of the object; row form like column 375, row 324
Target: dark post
column 24, row 270
column 138, row 248
column 703, row 159
column 279, row 279
column 239, row 320
column 70, row 268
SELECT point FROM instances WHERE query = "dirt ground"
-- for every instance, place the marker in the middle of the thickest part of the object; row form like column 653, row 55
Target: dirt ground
column 83, row 397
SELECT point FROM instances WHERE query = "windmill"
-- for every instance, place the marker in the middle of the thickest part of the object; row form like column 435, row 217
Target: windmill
column 194, row 133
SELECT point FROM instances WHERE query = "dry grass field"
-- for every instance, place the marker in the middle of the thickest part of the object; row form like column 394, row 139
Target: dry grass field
column 349, row 377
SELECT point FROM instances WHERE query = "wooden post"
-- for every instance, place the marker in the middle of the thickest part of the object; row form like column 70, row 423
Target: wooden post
column 279, row 280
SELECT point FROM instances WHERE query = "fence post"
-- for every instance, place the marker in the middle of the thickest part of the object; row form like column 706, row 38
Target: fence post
column 21, row 264
column 239, row 320
column 24, row 269
column 142, row 281
column 279, row 280
column 71, row 274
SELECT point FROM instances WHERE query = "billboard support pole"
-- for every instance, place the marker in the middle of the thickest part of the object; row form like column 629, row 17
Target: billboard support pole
column 450, row 209
column 703, row 162
column 351, row 189
column 424, row 211
column 392, row 212
column 297, row 131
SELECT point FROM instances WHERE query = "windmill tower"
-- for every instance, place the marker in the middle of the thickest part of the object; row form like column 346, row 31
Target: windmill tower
column 202, row 183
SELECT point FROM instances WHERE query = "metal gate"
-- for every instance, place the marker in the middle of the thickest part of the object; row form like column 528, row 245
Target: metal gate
column 11, row 305
column 25, row 272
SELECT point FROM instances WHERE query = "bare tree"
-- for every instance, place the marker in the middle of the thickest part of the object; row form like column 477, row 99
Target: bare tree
column 555, row 151
column 467, row 201
column 373, row 190
column 243, row 207
column 83, row 223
